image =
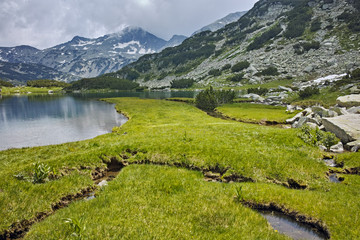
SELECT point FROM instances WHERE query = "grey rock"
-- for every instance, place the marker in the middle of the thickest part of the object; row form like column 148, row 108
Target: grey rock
column 332, row 113
column 354, row 110
column 290, row 108
column 309, row 69
column 302, row 121
column 312, row 125
column 338, row 148
column 285, row 89
column 345, row 127
column 294, row 119
column 349, row 100
column 353, row 146
column 254, row 97
column 315, row 120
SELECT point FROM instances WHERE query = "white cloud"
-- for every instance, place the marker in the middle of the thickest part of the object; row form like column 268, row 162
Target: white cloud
column 45, row 23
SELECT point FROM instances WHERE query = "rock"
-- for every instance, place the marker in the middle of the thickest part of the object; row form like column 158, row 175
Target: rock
column 312, row 125
column 294, row 125
column 332, row 113
column 338, row 148
column 354, row 90
column 345, row 127
column 290, row 108
column 302, row 121
column 349, row 100
column 309, row 69
column 294, row 119
column 315, row 120
column 353, row 146
column 254, row 97
column 285, row 89
column 354, row 110
column 103, row 183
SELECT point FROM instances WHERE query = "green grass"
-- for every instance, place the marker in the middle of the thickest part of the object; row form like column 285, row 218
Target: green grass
column 255, row 113
column 26, row 90
column 142, row 200
column 153, row 202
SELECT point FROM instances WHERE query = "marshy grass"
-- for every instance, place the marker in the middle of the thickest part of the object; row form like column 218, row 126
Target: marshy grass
column 165, row 202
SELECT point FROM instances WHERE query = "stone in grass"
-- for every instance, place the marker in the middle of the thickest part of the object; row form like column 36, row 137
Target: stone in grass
column 338, row 148
column 345, row 127
column 353, row 146
column 349, row 100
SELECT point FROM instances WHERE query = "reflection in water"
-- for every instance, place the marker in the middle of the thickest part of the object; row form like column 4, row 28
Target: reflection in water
column 289, row 227
column 36, row 120
column 27, row 122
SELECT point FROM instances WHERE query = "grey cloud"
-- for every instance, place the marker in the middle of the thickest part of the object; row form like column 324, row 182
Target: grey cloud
column 45, row 23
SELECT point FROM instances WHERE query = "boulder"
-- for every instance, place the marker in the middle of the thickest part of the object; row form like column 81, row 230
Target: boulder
column 338, row 148
column 312, row 125
column 354, row 110
column 349, row 100
column 285, row 89
column 353, row 146
column 345, row 127
column 302, row 121
column 254, row 97
column 295, row 118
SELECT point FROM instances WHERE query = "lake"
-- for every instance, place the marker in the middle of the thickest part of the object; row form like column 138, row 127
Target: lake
column 37, row 120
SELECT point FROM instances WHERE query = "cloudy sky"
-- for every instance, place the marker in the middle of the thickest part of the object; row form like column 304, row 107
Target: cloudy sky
column 45, row 23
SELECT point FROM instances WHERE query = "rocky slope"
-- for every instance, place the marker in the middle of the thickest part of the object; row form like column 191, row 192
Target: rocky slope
column 84, row 57
column 301, row 39
column 232, row 17
column 19, row 73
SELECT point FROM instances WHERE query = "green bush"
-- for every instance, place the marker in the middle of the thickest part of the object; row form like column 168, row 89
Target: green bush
column 103, row 82
column 259, row 91
column 240, row 66
column 315, row 25
column 316, row 137
column 303, row 47
column 260, row 41
column 182, row 83
column 355, row 74
column 5, row 84
column 236, row 78
column 270, row 71
column 226, row 67
column 41, row 172
column 215, row 72
column 209, row 99
column 46, row 83
column 308, row 92
column 298, row 20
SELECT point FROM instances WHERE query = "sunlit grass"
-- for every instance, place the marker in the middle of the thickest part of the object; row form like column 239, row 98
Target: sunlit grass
column 169, row 132
column 255, row 113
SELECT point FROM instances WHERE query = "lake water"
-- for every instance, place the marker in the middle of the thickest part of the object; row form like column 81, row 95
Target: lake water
column 37, row 120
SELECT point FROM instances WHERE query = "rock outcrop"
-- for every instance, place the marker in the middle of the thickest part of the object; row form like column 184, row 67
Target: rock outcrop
column 345, row 127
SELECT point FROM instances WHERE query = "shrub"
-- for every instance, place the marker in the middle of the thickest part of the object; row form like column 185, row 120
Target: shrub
column 258, row 91
column 209, row 99
column 315, row 25
column 5, row 84
column 263, row 38
column 182, row 83
column 270, row 71
column 215, row 72
column 240, row 66
column 298, row 19
column 316, row 137
column 236, row 78
column 226, row 67
column 308, row 92
column 303, row 47
column 355, row 74
column 46, row 83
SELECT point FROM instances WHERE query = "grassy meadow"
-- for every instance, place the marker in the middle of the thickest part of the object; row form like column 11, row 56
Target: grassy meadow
column 168, row 202
column 255, row 113
column 28, row 90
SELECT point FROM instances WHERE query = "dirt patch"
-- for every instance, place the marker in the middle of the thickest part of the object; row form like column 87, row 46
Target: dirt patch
column 296, row 216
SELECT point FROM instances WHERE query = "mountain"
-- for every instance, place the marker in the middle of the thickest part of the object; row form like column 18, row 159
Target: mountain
column 276, row 39
column 232, row 17
column 85, row 57
column 19, row 73
column 174, row 41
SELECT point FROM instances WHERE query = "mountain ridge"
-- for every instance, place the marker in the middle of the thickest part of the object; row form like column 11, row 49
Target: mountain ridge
column 281, row 39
